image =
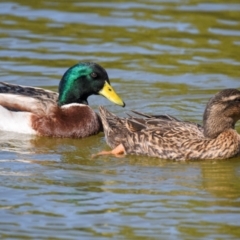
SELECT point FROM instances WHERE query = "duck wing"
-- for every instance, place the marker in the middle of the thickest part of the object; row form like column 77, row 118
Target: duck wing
column 163, row 124
column 133, row 130
column 28, row 99
column 27, row 91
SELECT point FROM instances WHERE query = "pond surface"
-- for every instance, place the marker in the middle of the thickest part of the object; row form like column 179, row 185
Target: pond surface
column 162, row 57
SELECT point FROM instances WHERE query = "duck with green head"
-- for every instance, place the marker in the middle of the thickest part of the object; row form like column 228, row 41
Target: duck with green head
column 65, row 114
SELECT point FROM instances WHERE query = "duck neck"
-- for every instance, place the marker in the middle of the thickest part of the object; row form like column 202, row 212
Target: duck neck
column 215, row 122
column 71, row 91
column 71, row 97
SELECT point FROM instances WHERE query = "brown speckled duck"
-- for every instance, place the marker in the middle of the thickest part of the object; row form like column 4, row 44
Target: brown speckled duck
column 65, row 114
column 166, row 137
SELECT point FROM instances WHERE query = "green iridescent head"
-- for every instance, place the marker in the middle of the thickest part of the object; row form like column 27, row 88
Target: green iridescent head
column 85, row 79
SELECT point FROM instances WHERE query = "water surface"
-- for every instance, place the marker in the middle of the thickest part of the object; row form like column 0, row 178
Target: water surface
column 162, row 57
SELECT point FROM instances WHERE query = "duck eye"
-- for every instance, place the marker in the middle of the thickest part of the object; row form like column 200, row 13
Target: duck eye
column 237, row 100
column 93, row 75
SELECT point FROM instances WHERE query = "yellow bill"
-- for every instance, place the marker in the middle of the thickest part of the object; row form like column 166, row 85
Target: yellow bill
column 108, row 92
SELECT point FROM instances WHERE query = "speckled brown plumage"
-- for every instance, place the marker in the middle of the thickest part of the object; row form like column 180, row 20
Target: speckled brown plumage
column 169, row 138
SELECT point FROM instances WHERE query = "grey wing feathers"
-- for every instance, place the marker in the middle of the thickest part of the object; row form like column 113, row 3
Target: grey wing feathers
column 28, row 99
column 162, row 116
column 27, row 91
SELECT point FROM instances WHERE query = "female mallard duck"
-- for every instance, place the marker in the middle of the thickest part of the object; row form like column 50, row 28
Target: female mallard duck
column 169, row 138
column 46, row 113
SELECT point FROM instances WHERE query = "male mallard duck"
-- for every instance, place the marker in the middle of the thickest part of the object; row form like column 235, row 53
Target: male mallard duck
column 46, row 113
column 169, row 138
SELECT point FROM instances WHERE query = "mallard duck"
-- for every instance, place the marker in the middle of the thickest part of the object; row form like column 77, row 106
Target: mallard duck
column 65, row 114
column 167, row 137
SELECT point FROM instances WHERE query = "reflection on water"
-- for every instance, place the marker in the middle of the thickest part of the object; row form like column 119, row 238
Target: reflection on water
column 161, row 56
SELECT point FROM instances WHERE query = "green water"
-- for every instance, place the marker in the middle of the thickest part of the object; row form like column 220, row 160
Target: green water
column 161, row 57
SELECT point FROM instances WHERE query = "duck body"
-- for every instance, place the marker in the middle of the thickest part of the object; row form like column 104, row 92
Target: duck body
column 167, row 137
column 65, row 114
